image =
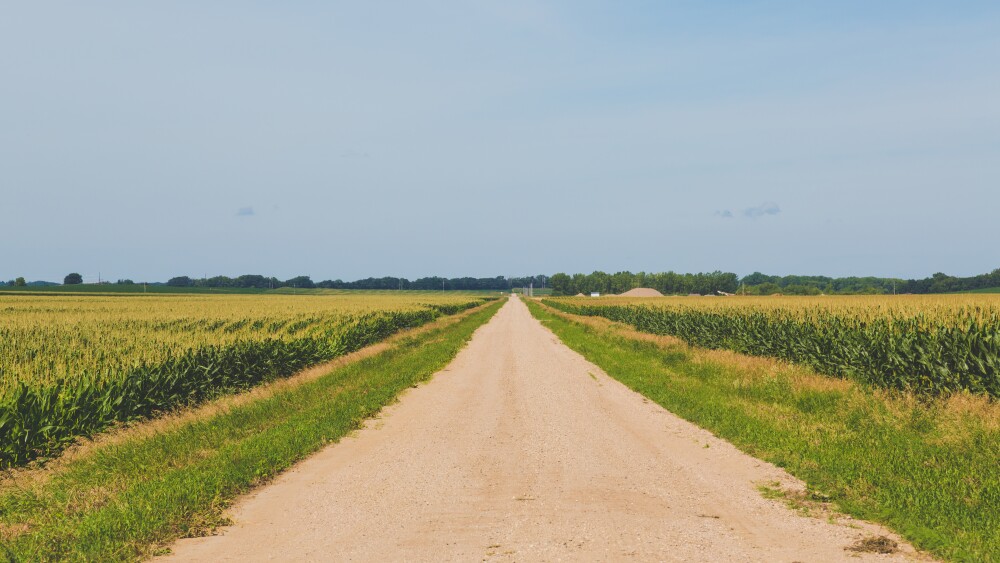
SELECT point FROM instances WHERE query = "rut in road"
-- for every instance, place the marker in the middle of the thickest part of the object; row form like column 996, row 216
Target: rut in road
column 522, row 450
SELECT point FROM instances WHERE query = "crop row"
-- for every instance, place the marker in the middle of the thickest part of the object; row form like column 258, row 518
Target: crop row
column 98, row 388
column 932, row 355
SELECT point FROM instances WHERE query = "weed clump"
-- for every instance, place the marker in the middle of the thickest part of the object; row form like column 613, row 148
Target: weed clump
column 875, row 544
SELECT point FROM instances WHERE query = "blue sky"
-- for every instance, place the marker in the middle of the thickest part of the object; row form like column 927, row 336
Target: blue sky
column 355, row 139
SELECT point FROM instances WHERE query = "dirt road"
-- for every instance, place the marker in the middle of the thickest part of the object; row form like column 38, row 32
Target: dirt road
column 522, row 450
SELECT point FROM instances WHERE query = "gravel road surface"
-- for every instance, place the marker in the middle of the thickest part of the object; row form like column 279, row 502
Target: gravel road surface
column 521, row 450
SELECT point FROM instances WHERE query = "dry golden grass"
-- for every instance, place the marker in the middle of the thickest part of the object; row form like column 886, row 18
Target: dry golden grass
column 10, row 531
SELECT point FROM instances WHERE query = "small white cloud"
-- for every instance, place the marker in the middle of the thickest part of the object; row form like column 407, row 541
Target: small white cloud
column 245, row 212
column 766, row 208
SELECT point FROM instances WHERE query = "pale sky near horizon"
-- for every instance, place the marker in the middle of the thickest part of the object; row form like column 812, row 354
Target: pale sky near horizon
column 354, row 139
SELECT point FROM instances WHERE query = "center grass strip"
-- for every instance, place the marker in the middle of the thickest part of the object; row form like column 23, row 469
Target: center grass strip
column 124, row 500
column 931, row 471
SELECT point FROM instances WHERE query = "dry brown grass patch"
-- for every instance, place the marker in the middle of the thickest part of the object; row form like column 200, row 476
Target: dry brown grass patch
column 90, row 498
column 982, row 409
column 10, row 532
column 607, row 325
column 875, row 544
column 955, row 418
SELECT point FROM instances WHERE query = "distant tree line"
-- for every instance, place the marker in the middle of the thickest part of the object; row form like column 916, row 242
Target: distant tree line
column 20, row 282
column 664, row 282
column 499, row 283
column 601, row 282
column 814, row 285
column 247, row 282
column 428, row 283
column 762, row 284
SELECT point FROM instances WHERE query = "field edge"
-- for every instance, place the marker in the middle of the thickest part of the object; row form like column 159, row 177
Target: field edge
column 695, row 385
column 132, row 499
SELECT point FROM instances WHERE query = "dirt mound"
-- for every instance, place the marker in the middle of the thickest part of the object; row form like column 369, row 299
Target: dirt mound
column 579, row 295
column 642, row 292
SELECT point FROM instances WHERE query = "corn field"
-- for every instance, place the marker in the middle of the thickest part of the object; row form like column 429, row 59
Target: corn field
column 930, row 345
column 71, row 366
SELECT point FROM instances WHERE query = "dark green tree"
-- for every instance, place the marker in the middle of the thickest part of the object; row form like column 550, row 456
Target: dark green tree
column 180, row 281
column 561, row 284
column 73, row 279
column 300, row 281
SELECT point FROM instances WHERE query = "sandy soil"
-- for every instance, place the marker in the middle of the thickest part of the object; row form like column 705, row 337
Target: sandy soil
column 642, row 292
column 521, row 450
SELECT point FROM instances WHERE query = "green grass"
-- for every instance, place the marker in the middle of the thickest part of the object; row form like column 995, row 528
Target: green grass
column 983, row 290
column 926, row 470
column 119, row 502
column 537, row 292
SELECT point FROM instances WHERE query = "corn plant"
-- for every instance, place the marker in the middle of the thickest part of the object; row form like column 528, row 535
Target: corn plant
column 926, row 345
column 73, row 366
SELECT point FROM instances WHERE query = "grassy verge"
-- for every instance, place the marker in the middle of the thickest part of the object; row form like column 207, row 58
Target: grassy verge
column 121, row 501
column 929, row 470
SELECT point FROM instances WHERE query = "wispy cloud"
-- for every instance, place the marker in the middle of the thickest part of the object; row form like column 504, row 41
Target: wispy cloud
column 766, row 208
column 245, row 212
